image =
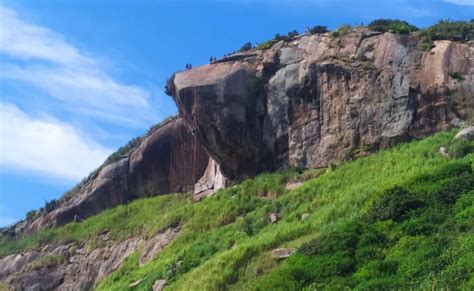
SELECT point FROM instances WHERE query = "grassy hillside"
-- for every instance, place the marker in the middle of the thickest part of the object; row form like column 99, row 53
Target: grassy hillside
column 397, row 219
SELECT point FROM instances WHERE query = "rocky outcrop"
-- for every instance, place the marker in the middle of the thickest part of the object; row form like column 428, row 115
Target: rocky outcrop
column 318, row 98
column 211, row 181
column 72, row 267
column 169, row 159
column 466, row 134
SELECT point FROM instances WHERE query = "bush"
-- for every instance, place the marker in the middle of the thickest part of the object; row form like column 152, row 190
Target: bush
column 32, row 215
column 318, row 29
column 246, row 47
column 394, row 204
column 342, row 31
column 392, row 25
column 456, row 76
column 450, row 30
column 293, row 33
column 459, row 148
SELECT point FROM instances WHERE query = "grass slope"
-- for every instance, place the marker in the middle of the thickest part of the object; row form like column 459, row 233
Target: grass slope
column 401, row 218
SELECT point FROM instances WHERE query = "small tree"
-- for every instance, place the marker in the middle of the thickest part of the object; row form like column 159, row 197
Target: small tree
column 246, row 47
column 318, row 29
column 293, row 33
column 392, row 25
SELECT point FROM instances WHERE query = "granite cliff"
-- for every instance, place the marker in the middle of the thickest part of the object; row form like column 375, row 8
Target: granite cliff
column 317, row 99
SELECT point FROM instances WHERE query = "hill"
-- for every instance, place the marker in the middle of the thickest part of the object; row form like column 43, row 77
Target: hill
column 401, row 218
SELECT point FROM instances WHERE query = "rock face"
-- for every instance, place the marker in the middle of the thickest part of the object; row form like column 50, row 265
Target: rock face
column 211, row 181
column 466, row 134
column 71, row 267
column 167, row 160
column 316, row 99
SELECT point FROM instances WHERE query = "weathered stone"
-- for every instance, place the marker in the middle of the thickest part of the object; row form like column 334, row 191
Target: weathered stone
column 304, row 216
column 466, row 134
column 293, row 185
column 274, row 216
column 211, row 181
column 444, row 152
column 136, row 283
column 159, row 285
column 303, row 104
column 169, row 159
column 156, row 244
column 282, row 253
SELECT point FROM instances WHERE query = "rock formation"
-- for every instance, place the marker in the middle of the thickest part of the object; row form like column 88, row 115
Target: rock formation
column 319, row 98
column 167, row 160
column 303, row 103
column 72, row 266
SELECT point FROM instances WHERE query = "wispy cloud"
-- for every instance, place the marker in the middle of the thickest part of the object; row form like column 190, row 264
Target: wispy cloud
column 460, row 2
column 71, row 93
column 42, row 58
column 45, row 145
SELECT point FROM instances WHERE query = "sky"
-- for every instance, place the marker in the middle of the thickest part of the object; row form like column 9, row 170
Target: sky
column 78, row 79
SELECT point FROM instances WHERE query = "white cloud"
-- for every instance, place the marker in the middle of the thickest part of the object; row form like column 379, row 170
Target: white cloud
column 42, row 58
column 461, row 2
column 44, row 145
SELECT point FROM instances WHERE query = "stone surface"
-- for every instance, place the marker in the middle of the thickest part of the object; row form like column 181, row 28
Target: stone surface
column 318, row 99
column 156, row 244
column 78, row 269
column 274, row 216
column 211, row 181
column 282, row 253
column 444, row 152
column 168, row 159
column 293, row 185
column 466, row 133
column 159, row 285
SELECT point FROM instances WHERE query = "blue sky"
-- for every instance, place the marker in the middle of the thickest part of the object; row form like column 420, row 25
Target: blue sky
column 80, row 78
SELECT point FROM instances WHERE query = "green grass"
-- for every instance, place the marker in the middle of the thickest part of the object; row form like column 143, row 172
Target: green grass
column 401, row 218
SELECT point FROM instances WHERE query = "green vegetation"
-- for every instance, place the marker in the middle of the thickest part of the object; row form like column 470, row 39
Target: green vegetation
column 246, row 47
column 318, row 29
column 392, row 25
column 401, row 218
column 450, row 30
column 446, row 30
column 278, row 37
column 46, row 262
column 341, row 31
column 456, row 76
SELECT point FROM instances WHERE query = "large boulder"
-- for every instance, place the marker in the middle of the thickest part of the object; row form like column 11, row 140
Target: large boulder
column 316, row 99
column 466, row 134
column 168, row 159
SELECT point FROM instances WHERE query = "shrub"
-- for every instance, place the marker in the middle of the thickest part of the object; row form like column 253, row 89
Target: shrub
column 246, row 47
column 32, row 215
column 50, row 205
column 392, row 25
column 342, row 31
column 292, row 34
column 456, row 76
column 394, row 204
column 318, row 29
column 459, row 148
column 450, row 30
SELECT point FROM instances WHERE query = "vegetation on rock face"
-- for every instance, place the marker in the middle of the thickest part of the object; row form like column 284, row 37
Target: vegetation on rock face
column 456, row 76
column 318, row 29
column 402, row 218
column 446, row 30
column 392, row 25
column 450, row 30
